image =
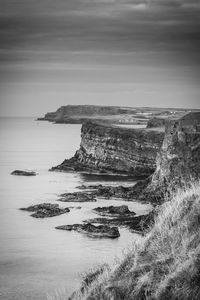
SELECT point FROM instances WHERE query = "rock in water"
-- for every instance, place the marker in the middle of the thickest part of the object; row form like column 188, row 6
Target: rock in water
column 89, row 187
column 45, row 210
column 101, row 231
column 114, row 211
column 77, row 197
column 23, row 173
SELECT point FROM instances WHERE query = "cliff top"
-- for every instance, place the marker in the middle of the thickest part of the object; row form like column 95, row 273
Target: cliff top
column 120, row 130
column 188, row 119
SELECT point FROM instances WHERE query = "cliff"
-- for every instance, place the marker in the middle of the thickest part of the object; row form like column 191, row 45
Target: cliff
column 179, row 156
column 111, row 149
column 177, row 162
column 165, row 263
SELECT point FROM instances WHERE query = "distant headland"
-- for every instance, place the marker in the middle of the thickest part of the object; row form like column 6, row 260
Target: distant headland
column 78, row 114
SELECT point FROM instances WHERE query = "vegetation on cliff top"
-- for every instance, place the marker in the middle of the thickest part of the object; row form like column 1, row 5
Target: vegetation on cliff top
column 163, row 265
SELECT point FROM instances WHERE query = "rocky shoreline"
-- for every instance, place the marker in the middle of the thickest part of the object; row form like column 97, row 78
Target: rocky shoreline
column 136, row 224
column 176, row 161
column 117, row 216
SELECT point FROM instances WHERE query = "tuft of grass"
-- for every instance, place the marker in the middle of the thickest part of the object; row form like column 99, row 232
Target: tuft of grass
column 163, row 265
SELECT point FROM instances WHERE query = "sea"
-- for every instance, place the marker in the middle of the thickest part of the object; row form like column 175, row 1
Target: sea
column 36, row 260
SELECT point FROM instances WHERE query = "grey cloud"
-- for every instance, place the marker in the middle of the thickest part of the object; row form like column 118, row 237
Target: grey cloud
column 101, row 25
column 99, row 45
column 167, row 3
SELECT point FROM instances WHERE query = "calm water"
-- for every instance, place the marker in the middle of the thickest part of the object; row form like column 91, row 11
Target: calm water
column 36, row 259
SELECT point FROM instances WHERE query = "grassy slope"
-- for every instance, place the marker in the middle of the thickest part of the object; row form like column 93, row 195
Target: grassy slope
column 164, row 265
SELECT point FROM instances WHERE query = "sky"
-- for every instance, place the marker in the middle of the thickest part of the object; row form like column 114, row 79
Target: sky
column 104, row 52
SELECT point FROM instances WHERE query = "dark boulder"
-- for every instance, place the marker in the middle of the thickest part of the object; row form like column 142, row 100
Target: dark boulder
column 101, row 231
column 23, row 173
column 122, row 210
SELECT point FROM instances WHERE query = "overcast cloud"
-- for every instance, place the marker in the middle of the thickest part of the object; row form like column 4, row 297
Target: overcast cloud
column 132, row 52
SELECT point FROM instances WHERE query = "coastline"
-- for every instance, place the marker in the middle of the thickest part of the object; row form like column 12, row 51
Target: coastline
column 109, row 196
column 35, row 257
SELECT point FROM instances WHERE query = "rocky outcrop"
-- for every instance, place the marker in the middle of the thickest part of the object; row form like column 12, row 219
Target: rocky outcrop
column 23, row 173
column 45, row 210
column 113, row 150
column 77, row 197
column 101, row 231
column 50, row 116
column 114, row 211
column 137, row 224
column 178, row 160
column 130, row 193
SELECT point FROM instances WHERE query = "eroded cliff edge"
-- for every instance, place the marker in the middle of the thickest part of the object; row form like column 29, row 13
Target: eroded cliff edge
column 179, row 157
column 177, row 162
column 115, row 150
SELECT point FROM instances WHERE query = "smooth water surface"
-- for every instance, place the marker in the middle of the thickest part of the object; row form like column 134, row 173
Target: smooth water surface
column 35, row 258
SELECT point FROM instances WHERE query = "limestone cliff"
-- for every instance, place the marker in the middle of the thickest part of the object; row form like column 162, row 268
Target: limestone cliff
column 179, row 157
column 110, row 149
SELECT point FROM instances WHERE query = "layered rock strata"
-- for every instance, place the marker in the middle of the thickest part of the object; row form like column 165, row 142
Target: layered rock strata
column 113, row 150
column 177, row 163
column 178, row 160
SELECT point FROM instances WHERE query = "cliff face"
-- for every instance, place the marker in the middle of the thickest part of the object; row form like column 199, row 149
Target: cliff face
column 179, row 158
column 109, row 149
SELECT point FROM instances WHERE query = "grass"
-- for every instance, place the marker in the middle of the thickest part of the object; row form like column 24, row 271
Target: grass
column 163, row 265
